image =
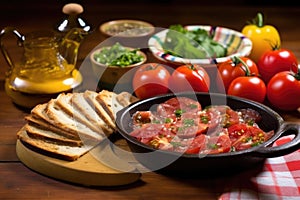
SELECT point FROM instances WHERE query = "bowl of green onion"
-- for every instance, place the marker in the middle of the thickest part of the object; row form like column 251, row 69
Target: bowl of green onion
column 116, row 64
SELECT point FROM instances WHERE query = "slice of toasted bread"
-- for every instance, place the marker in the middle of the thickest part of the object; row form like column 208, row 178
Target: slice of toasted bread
column 40, row 132
column 89, row 112
column 46, row 125
column 105, row 98
column 60, row 151
column 64, row 101
column 60, row 119
column 90, row 97
column 125, row 98
column 112, row 102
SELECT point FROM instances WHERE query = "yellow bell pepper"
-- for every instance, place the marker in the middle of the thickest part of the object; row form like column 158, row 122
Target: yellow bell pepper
column 263, row 37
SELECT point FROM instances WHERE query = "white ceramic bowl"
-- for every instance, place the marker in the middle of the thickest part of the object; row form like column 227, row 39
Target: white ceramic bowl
column 235, row 42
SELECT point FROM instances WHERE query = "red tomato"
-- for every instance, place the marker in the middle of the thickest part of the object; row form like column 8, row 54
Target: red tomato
column 189, row 78
column 249, row 87
column 276, row 61
column 151, row 131
column 198, row 144
column 219, row 144
column 150, row 79
column 169, row 107
column 234, row 68
column 244, row 136
column 219, row 115
column 283, row 90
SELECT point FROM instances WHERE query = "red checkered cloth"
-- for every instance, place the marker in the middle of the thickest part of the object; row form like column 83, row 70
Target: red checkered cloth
column 279, row 180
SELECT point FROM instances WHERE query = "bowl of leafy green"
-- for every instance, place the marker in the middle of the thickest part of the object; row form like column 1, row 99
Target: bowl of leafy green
column 116, row 64
column 198, row 44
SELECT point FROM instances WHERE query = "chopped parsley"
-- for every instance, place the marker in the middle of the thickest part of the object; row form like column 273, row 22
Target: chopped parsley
column 188, row 122
column 179, row 112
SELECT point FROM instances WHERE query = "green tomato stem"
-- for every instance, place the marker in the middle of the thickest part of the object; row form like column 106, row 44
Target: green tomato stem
column 297, row 75
column 237, row 60
column 192, row 67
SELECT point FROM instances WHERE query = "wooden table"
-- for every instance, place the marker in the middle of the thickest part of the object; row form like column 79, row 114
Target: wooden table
column 19, row 182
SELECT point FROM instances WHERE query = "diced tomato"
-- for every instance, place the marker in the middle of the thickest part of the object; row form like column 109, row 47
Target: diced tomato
column 219, row 144
column 141, row 117
column 190, row 127
column 250, row 116
column 244, row 136
column 223, row 115
column 162, row 142
column 173, row 105
column 198, row 144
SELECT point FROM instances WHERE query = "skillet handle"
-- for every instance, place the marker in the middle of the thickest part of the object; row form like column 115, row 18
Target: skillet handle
column 286, row 129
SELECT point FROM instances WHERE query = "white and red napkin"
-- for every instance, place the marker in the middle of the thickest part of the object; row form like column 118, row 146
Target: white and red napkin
column 279, row 180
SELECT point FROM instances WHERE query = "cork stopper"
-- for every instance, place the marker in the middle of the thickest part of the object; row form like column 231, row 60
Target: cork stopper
column 72, row 9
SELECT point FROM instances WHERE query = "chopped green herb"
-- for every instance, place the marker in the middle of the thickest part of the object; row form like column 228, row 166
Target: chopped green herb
column 251, row 122
column 155, row 121
column 256, row 143
column 248, row 139
column 204, row 119
column 193, row 106
column 118, row 55
column 168, row 120
column 176, row 144
column 180, row 129
column 179, row 112
column 213, row 146
column 188, row 122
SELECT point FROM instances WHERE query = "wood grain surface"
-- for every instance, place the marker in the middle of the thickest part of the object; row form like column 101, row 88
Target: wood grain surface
column 20, row 182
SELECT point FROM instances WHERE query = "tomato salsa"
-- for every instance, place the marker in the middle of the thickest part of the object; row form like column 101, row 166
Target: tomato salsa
column 180, row 124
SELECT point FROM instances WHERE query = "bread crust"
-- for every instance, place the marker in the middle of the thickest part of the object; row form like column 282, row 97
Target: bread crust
column 45, row 124
column 64, row 102
column 90, row 97
column 40, row 132
column 64, row 152
column 61, row 119
column 89, row 112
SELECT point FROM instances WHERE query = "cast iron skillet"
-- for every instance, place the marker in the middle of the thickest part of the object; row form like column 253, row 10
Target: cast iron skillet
column 172, row 162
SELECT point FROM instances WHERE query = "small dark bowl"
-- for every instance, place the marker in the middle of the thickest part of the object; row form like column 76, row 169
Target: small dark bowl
column 172, row 162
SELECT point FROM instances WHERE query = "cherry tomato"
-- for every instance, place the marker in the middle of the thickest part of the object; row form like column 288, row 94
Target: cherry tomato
column 234, row 68
column 150, row 79
column 283, row 90
column 189, row 78
column 274, row 61
column 249, row 87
